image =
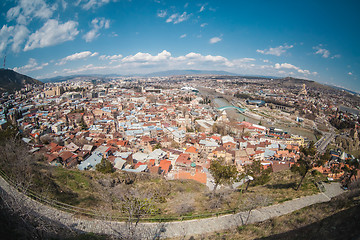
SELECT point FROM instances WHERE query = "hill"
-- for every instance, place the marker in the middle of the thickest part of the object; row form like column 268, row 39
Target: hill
column 79, row 77
column 11, row 81
column 188, row 72
column 336, row 219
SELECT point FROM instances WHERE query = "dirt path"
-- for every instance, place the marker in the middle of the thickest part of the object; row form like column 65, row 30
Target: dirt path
column 171, row 229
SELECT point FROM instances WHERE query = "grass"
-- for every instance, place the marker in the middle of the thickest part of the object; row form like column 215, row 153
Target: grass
column 172, row 198
column 74, row 187
column 337, row 219
column 75, row 180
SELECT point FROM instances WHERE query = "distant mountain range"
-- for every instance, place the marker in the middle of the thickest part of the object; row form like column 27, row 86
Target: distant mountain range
column 154, row 74
column 74, row 77
column 343, row 89
column 11, row 81
column 188, row 72
column 283, row 81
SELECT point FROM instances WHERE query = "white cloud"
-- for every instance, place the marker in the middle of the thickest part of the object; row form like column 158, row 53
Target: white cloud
column 20, row 34
column 350, row 73
column 146, row 57
column 325, row 53
column 203, row 24
column 163, row 59
column 13, row 35
column 277, row 51
column 162, row 13
column 303, row 71
column 202, row 7
column 177, row 18
column 94, row 4
column 290, row 66
column 26, row 10
column 91, row 35
column 5, row 35
column 52, row 33
column 143, row 62
column 97, row 25
column 64, row 4
column 285, row 65
column 32, row 65
column 77, row 56
column 183, row 36
column 322, row 51
column 111, row 57
column 172, row 17
column 215, row 40
column 244, row 60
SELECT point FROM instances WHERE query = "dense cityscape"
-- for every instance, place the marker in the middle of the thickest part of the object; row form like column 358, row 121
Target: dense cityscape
column 158, row 119
column 175, row 126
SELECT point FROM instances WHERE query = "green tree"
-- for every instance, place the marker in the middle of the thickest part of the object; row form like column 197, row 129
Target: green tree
column 157, row 146
column 10, row 132
column 308, row 160
column 105, row 166
column 351, row 169
column 222, row 173
column 335, row 169
column 258, row 172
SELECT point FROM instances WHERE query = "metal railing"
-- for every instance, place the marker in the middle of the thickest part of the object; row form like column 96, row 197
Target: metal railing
column 94, row 214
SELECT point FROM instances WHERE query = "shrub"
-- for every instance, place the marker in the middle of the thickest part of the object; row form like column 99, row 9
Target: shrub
column 105, row 166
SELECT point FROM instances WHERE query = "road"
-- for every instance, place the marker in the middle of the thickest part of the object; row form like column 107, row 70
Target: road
column 324, row 141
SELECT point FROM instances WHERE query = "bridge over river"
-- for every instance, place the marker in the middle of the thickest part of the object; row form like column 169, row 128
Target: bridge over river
column 241, row 110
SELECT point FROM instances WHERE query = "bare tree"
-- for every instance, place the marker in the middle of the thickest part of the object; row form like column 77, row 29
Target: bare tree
column 17, row 164
column 250, row 204
column 135, row 205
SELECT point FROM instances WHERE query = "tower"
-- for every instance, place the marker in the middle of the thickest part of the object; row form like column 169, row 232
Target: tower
column 303, row 90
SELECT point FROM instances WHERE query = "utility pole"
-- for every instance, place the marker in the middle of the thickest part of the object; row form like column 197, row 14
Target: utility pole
column 4, row 61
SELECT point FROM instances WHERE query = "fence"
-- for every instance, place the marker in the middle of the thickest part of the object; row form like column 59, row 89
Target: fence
column 320, row 185
column 91, row 213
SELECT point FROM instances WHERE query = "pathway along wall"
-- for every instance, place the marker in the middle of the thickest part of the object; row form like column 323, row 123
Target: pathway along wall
column 169, row 229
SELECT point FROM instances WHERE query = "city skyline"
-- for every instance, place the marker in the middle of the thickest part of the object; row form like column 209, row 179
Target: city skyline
column 311, row 40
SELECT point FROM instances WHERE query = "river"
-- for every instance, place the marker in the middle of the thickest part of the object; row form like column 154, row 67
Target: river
column 235, row 115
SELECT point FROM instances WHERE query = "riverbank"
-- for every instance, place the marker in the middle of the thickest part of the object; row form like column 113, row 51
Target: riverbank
column 236, row 116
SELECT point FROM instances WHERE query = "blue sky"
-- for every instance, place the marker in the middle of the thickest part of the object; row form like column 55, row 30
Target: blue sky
column 309, row 39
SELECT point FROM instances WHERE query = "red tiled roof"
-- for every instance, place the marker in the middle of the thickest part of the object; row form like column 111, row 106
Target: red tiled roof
column 151, row 162
column 183, row 158
column 154, row 169
column 192, row 149
column 56, row 149
column 165, row 165
column 66, row 155
column 198, row 176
